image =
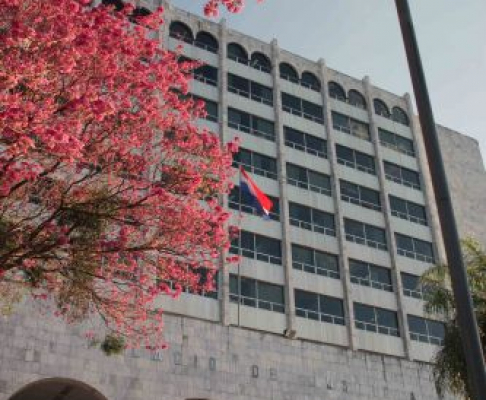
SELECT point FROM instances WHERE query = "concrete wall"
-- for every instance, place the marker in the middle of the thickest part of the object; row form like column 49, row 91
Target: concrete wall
column 204, row 361
column 467, row 182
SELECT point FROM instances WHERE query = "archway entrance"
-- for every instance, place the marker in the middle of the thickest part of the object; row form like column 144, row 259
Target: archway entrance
column 57, row 389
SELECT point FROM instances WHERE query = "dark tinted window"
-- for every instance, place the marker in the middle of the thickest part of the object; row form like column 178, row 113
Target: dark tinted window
column 381, row 108
column 402, row 175
column 336, row 91
column 361, row 233
column 261, row 62
column 356, row 99
column 237, row 53
column 367, row 274
column 314, row 261
column 400, row 116
column 288, row 72
column 355, row 159
column 181, row 31
column 414, row 248
column 319, row 307
column 311, row 81
column 408, row 210
column 308, row 179
column 206, row 41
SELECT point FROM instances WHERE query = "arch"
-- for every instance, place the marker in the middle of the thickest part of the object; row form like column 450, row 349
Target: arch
column 311, row 81
column 57, row 388
column 336, row 91
column 117, row 3
column 400, row 116
column 206, row 41
column 237, row 53
column 181, row 31
column 261, row 61
column 381, row 108
column 356, row 99
column 288, row 72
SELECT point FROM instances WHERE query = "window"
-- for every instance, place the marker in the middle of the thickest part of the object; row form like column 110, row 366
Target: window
column 204, row 276
column 408, row 210
column 308, row 179
column 118, row 4
column 372, row 275
column 311, row 219
column 345, row 124
column 360, row 195
column 207, row 74
column 242, row 202
column 251, row 124
column 412, row 286
column 402, row 175
column 304, row 142
column 414, row 248
column 206, row 41
column 400, row 116
column 381, row 108
column 261, row 62
column 211, row 108
column 374, row 319
column 181, row 31
column 309, row 80
column 315, row 262
column 355, row 159
column 258, row 294
column 396, row 142
column 426, row 330
column 259, row 247
column 336, row 91
column 250, row 89
column 302, row 108
column 288, row 73
column 256, row 163
column 356, row 99
column 361, row 233
column 319, row 307
column 237, row 53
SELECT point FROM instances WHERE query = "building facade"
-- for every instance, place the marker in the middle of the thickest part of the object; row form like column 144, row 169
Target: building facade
column 325, row 302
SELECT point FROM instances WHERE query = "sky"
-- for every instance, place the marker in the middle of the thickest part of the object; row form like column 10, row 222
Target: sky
column 362, row 37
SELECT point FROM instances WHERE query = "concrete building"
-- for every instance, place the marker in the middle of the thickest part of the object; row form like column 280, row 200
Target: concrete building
column 324, row 303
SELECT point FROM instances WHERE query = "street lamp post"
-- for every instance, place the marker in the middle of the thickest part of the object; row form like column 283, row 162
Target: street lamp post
column 465, row 311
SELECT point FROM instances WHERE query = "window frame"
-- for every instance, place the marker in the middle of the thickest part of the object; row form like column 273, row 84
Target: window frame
column 308, row 185
column 312, row 225
column 369, row 281
column 255, row 301
column 354, row 163
column 314, row 268
column 253, row 253
column 318, row 314
column 374, row 326
column 359, row 200
column 364, row 240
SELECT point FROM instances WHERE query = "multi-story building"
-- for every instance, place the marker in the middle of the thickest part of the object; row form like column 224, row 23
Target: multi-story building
column 325, row 302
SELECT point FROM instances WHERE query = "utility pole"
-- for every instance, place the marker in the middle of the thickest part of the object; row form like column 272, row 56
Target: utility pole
column 466, row 319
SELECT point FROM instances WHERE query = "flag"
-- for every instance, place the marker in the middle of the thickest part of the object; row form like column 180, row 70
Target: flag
column 258, row 199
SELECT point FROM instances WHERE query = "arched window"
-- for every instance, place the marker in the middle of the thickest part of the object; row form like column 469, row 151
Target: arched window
column 311, row 81
column 237, row 53
column 181, row 31
column 381, row 108
column 206, row 41
column 288, row 72
column 336, row 91
column 117, row 3
column 139, row 12
column 400, row 116
column 57, row 388
column 261, row 61
column 356, row 99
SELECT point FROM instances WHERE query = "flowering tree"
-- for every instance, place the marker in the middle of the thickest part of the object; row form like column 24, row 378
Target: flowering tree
column 211, row 7
column 107, row 188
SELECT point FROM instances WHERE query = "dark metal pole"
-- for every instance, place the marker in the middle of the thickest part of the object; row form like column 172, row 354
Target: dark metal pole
column 465, row 312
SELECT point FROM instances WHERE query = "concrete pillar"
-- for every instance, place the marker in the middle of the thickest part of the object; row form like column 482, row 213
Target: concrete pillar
column 430, row 204
column 282, row 182
column 339, row 218
column 223, row 123
column 385, row 202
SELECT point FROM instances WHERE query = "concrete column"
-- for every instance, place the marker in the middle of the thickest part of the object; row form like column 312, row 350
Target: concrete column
column 284, row 202
column 430, row 204
column 339, row 217
column 168, row 16
column 223, row 123
column 385, row 202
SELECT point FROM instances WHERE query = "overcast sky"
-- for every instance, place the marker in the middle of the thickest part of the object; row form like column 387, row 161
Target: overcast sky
column 362, row 37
